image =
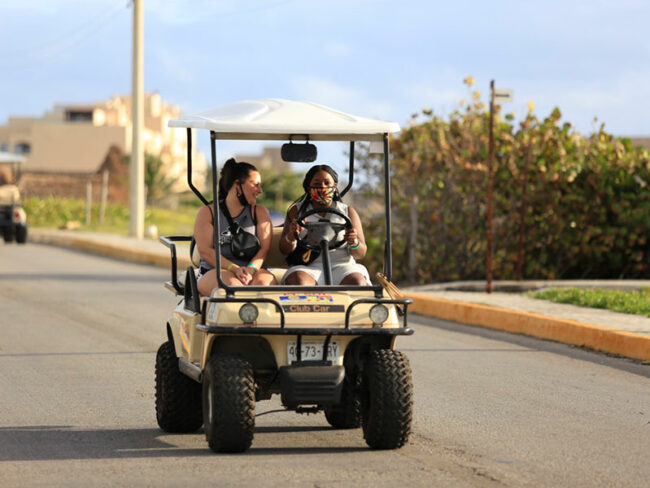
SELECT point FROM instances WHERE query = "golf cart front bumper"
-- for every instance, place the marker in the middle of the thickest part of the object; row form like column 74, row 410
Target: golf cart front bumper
column 299, row 331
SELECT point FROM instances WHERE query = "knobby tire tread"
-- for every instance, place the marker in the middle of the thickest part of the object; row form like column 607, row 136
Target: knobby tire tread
column 178, row 398
column 388, row 402
column 233, row 423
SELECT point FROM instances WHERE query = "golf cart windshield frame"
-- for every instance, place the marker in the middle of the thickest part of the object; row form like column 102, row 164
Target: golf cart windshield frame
column 230, row 290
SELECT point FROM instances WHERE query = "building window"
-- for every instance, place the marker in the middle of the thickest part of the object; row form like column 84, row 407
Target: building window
column 22, row 148
column 79, row 115
column 4, row 147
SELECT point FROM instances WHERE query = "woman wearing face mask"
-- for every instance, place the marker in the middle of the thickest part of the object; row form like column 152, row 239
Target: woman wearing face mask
column 239, row 186
column 320, row 185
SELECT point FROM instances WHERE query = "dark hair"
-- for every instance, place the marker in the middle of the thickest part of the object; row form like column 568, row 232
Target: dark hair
column 231, row 173
column 315, row 169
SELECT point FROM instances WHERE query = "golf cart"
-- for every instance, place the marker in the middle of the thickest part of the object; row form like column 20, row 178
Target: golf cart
column 13, row 220
column 329, row 347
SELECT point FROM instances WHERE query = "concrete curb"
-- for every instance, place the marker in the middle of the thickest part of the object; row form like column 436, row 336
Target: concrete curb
column 595, row 337
column 117, row 251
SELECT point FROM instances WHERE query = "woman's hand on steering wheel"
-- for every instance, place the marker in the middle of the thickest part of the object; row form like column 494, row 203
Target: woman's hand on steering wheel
column 351, row 236
column 293, row 230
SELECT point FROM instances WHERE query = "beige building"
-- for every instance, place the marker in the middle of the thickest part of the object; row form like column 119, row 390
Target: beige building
column 74, row 139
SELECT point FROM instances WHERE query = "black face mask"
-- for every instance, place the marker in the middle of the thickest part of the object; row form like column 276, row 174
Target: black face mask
column 241, row 197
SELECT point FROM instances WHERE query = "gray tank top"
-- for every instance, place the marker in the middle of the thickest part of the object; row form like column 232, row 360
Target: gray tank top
column 245, row 221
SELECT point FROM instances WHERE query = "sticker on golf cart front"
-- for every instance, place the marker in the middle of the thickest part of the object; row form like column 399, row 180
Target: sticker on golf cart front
column 286, row 298
column 313, row 351
column 309, row 302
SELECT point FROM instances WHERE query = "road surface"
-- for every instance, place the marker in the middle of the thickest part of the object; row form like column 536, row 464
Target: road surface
column 77, row 351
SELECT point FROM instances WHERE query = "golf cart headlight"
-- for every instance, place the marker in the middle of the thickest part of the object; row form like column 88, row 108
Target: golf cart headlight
column 378, row 314
column 248, row 313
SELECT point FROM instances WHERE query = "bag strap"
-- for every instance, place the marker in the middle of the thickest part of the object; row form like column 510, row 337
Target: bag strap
column 231, row 223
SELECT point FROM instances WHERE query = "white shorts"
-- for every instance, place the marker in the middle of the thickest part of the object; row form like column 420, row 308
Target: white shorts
column 339, row 271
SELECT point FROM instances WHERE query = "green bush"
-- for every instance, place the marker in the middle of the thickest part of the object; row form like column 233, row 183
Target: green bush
column 585, row 201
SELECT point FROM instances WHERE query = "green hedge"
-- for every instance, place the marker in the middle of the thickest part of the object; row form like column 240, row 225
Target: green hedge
column 586, row 212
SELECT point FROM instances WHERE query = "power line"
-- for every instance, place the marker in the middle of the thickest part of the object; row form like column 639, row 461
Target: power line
column 69, row 39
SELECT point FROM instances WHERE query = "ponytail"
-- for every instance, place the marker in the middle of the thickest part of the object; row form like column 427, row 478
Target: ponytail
column 233, row 172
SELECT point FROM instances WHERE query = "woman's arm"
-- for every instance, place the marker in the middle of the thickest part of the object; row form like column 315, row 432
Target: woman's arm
column 289, row 231
column 355, row 236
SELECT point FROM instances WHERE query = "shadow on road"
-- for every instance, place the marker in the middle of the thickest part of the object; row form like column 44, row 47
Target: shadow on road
column 42, row 442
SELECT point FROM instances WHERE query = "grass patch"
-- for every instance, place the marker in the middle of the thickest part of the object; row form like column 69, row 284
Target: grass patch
column 634, row 302
column 54, row 213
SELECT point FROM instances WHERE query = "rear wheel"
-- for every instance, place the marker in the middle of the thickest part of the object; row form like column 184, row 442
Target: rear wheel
column 178, row 398
column 8, row 233
column 21, row 233
column 347, row 414
column 228, row 403
column 387, row 409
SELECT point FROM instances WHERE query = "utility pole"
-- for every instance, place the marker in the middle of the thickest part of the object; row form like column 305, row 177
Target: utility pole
column 136, row 187
column 488, row 256
column 502, row 96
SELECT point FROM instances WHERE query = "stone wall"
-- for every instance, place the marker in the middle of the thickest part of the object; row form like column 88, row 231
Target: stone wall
column 73, row 185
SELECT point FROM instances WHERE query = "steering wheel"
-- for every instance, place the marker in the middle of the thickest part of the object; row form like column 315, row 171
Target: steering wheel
column 317, row 231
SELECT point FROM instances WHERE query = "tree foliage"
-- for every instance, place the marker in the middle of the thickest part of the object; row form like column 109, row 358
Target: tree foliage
column 584, row 199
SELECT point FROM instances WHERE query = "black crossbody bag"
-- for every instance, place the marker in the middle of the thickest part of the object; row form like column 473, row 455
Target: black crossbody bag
column 243, row 244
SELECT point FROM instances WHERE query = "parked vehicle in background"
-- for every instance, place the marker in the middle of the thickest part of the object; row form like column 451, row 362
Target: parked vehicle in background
column 13, row 219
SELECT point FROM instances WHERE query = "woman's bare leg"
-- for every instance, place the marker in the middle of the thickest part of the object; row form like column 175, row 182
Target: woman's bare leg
column 300, row 278
column 354, row 279
column 208, row 281
column 263, row 278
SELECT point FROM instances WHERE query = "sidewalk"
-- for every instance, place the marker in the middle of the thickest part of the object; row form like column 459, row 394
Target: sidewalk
column 466, row 302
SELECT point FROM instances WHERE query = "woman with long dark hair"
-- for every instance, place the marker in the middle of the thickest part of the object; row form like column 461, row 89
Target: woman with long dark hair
column 320, row 185
column 245, row 231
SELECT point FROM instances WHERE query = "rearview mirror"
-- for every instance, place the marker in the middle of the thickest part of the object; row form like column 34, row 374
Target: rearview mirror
column 298, row 153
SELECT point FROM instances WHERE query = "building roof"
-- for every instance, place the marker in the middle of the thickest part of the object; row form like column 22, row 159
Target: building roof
column 280, row 119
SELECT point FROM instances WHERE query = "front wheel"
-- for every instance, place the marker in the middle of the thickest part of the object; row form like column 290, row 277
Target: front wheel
column 228, row 403
column 387, row 400
column 178, row 398
column 21, row 233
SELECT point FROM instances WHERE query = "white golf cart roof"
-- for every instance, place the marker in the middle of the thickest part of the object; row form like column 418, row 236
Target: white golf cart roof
column 279, row 119
column 7, row 157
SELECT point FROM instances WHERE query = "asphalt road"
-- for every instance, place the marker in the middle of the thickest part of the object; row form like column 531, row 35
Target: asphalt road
column 77, row 348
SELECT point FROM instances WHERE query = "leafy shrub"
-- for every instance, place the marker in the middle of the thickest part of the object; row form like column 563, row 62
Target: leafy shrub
column 584, row 199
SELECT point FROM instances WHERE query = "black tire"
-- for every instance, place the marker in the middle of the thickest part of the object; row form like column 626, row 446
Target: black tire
column 8, row 234
column 387, row 400
column 178, row 397
column 21, row 234
column 228, row 403
column 347, row 414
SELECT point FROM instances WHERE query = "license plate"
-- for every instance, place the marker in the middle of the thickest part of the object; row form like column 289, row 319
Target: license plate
column 313, row 351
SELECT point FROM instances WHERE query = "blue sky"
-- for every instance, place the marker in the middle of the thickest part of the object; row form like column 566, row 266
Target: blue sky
column 376, row 58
